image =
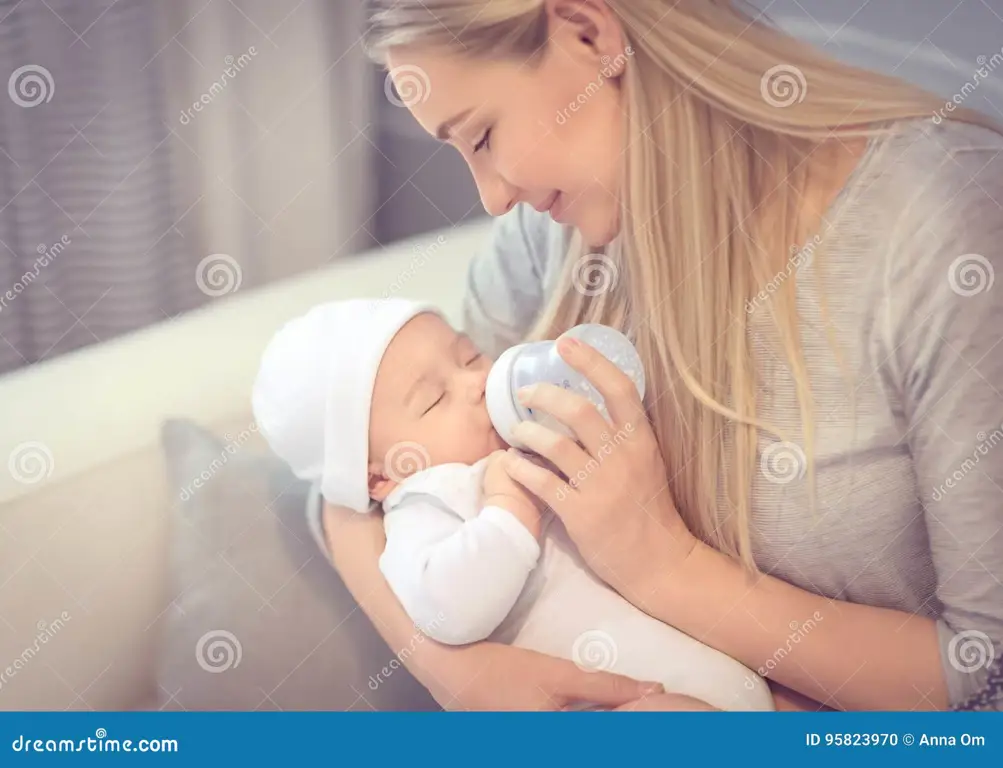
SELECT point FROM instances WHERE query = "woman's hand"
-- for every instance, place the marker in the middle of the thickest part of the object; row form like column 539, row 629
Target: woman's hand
column 616, row 503
column 494, row 677
column 667, row 702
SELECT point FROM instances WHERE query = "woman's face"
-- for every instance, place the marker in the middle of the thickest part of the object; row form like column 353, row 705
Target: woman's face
column 549, row 136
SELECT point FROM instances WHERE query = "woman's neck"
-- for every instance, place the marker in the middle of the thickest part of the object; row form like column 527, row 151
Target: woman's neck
column 832, row 165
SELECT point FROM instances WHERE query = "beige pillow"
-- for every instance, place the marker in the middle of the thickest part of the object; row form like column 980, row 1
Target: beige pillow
column 259, row 618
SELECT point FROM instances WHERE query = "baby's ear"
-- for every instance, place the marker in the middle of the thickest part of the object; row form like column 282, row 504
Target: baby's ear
column 380, row 485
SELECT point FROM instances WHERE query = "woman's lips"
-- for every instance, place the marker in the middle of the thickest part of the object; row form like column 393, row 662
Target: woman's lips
column 554, row 205
column 556, row 208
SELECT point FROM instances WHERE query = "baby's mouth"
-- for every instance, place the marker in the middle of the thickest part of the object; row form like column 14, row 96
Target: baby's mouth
column 497, row 439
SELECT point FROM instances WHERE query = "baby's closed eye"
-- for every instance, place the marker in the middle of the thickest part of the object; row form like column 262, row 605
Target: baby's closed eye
column 435, row 400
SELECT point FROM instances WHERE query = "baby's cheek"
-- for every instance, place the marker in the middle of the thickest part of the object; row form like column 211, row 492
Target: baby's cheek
column 473, row 442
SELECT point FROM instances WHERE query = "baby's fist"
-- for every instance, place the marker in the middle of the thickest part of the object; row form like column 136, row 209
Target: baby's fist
column 502, row 491
column 496, row 479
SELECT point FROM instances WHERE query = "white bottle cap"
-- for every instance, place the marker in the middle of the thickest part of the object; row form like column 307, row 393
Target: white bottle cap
column 502, row 408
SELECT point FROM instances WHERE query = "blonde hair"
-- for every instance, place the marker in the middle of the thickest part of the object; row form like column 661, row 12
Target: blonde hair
column 702, row 232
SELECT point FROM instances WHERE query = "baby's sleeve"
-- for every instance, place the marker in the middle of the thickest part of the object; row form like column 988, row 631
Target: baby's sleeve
column 457, row 579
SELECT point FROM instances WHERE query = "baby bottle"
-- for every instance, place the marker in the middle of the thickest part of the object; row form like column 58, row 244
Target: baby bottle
column 539, row 361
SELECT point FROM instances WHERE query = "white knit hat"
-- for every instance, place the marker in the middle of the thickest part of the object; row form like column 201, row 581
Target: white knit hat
column 314, row 389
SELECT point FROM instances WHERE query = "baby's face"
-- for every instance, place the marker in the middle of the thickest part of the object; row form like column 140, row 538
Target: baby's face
column 428, row 404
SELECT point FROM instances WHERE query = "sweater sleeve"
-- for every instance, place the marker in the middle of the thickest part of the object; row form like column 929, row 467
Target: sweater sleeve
column 456, row 579
column 507, row 283
column 944, row 347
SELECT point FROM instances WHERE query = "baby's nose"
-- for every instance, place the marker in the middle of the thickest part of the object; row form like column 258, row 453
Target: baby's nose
column 475, row 387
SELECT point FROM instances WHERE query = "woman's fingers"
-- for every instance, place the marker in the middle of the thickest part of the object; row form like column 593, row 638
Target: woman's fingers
column 667, row 702
column 569, row 408
column 537, row 480
column 618, row 391
column 535, row 458
column 559, row 450
column 572, row 684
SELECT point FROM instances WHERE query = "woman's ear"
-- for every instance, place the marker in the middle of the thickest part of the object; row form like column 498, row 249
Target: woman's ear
column 591, row 22
column 380, row 486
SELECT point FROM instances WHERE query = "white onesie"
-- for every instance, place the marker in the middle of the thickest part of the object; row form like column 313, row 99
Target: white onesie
column 466, row 573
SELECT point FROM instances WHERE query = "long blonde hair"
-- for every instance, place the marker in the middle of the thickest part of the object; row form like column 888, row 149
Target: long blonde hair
column 701, row 233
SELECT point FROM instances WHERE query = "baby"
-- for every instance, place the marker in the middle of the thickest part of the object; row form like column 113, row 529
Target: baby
column 382, row 403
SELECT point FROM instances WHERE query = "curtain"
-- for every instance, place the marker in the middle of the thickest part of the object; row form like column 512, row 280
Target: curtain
column 158, row 155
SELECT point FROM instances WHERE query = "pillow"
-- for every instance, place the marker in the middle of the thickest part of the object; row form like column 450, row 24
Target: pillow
column 258, row 618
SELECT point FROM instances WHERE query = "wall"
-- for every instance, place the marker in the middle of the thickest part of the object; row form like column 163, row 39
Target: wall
column 965, row 28
column 421, row 184
column 935, row 43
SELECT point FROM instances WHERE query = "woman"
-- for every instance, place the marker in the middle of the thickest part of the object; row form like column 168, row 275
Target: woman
column 806, row 266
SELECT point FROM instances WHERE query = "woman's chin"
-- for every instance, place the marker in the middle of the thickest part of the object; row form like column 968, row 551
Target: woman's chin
column 600, row 233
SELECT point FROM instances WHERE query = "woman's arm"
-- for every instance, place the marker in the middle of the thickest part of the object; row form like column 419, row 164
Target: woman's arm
column 356, row 542
column 788, row 700
column 854, row 656
column 484, row 676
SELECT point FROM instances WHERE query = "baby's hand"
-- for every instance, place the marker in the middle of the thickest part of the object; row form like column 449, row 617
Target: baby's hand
column 497, row 482
column 502, row 491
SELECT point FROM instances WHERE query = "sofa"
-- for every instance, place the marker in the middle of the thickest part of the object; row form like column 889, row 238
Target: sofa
column 152, row 552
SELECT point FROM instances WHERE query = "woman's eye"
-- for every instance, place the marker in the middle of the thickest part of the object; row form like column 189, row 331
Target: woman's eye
column 484, row 143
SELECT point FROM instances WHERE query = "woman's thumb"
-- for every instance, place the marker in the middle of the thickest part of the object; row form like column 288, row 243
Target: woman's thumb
column 605, row 688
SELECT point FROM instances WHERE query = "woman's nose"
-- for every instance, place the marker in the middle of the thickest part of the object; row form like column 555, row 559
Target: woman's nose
column 497, row 195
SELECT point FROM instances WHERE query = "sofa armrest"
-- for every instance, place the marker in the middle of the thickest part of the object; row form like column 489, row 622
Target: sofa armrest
column 90, row 406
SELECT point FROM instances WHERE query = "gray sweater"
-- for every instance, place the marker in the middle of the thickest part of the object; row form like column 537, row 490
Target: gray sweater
column 909, row 508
